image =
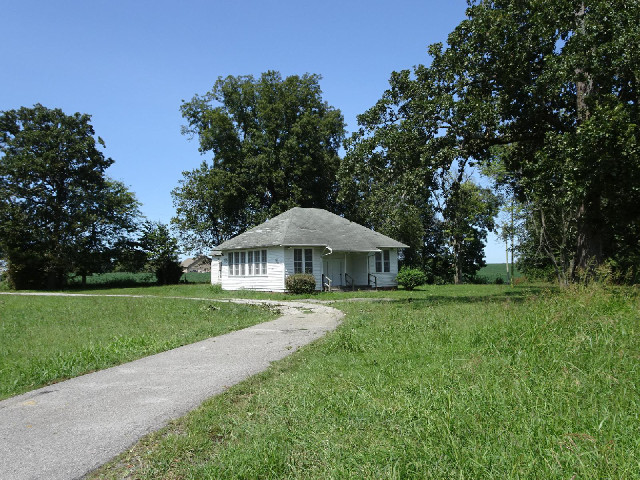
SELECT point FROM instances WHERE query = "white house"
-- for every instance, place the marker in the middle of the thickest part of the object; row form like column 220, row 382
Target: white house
column 200, row 264
column 334, row 250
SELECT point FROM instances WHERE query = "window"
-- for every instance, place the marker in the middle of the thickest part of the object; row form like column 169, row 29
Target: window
column 252, row 262
column 264, row 262
column 256, row 262
column 298, row 266
column 308, row 260
column 383, row 261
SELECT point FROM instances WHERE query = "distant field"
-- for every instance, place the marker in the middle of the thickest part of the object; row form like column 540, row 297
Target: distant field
column 125, row 279
column 496, row 270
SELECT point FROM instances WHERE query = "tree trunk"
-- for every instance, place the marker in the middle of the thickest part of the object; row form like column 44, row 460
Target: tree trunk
column 457, row 261
column 589, row 248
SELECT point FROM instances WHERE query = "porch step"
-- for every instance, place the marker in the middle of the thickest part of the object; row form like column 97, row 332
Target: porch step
column 349, row 289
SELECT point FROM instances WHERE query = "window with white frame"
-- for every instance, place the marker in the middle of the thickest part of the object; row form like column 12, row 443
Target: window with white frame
column 302, row 260
column 383, row 261
column 248, row 263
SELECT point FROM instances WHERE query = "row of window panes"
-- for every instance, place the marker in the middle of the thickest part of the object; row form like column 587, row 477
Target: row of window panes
column 253, row 262
column 383, row 262
column 297, row 260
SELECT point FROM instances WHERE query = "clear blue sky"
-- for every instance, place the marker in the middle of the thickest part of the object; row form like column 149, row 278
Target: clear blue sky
column 129, row 64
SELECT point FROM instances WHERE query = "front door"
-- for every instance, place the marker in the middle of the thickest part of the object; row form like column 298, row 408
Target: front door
column 333, row 269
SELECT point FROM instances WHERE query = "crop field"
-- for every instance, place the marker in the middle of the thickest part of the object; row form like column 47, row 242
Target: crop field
column 48, row 339
column 126, row 279
column 484, row 381
column 492, row 271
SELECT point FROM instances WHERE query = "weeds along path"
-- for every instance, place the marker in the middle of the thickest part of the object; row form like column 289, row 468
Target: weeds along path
column 68, row 429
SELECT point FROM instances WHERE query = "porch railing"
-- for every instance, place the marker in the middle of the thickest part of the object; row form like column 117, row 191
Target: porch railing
column 326, row 283
column 348, row 281
column 375, row 281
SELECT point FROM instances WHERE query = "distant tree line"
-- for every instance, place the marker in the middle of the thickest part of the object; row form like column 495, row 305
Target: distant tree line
column 539, row 97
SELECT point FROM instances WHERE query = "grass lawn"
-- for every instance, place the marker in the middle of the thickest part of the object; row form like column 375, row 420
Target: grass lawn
column 444, row 382
column 48, row 339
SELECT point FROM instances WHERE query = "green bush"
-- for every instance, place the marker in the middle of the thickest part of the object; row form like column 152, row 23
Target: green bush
column 411, row 278
column 300, row 283
column 168, row 272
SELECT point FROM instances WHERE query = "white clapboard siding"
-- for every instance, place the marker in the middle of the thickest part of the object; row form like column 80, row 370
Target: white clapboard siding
column 216, row 277
column 273, row 281
column 386, row 279
column 317, row 263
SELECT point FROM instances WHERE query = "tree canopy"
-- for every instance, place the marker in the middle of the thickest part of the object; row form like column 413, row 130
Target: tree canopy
column 274, row 144
column 59, row 212
column 550, row 90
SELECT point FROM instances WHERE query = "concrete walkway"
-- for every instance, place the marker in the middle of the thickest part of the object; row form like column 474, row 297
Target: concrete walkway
column 68, row 429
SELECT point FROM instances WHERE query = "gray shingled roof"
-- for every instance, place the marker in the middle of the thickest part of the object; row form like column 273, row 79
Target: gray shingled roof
column 311, row 227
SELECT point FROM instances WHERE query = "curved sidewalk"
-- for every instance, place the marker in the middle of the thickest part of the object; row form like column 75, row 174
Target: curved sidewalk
column 66, row 430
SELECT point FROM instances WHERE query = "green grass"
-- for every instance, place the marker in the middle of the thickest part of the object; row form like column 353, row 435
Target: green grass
column 48, row 339
column 496, row 270
column 452, row 382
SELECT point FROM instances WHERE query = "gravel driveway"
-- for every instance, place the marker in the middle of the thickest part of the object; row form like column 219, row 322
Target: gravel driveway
column 68, row 429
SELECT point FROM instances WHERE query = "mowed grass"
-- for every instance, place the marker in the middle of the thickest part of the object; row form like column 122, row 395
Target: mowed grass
column 48, row 339
column 473, row 382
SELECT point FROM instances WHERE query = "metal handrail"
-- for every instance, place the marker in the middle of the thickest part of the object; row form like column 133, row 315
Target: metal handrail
column 326, row 283
column 348, row 279
column 375, row 280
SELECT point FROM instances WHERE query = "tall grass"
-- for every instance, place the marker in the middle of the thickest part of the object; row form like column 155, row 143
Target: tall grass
column 47, row 339
column 518, row 385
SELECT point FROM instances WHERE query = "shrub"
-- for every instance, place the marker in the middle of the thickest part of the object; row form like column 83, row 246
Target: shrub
column 168, row 272
column 499, row 281
column 411, row 278
column 300, row 283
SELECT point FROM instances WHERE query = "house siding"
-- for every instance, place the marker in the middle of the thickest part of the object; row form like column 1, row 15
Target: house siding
column 273, row 281
column 317, row 263
column 280, row 265
column 216, row 277
column 386, row 279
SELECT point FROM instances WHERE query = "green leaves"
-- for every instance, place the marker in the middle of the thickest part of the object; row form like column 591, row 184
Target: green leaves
column 58, row 211
column 274, row 145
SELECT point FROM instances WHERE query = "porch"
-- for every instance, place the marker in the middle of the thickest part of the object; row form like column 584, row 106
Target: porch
column 348, row 271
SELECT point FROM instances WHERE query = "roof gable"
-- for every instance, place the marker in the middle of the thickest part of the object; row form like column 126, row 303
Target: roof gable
column 311, row 227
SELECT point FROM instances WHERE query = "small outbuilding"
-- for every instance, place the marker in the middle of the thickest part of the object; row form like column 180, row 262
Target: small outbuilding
column 337, row 252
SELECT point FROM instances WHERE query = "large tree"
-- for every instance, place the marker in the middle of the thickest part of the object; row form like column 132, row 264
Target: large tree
column 557, row 83
column 59, row 212
column 388, row 177
column 467, row 217
column 274, row 145
column 161, row 250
